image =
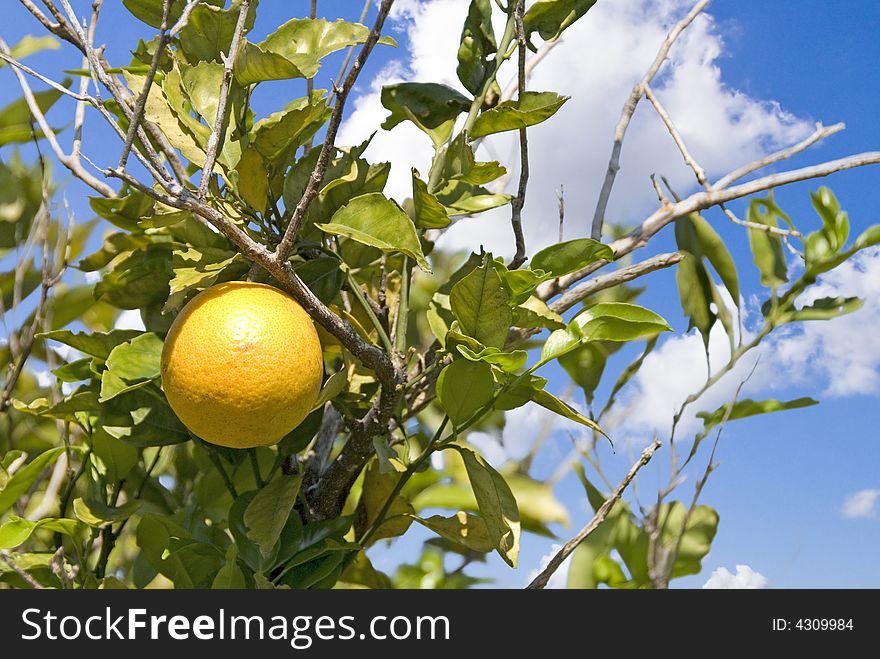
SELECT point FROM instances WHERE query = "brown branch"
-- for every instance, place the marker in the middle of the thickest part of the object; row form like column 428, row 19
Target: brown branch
column 541, row 580
column 216, row 137
column 317, row 177
column 629, row 109
column 519, row 201
column 141, row 103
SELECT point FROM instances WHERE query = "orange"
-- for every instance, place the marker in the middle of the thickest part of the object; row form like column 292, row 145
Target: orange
column 242, row 365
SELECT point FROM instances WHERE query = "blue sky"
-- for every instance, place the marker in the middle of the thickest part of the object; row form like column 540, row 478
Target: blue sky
column 783, row 478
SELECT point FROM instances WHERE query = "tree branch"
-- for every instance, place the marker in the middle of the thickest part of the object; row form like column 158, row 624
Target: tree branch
column 519, row 201
column 216, row 136
column 820, row 133
column 629, row 109
column 702, row 200
column 141, row 103
column 541, row 580
column 317, row 177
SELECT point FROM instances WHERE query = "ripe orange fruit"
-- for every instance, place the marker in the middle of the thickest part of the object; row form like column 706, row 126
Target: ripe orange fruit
column 242, row 365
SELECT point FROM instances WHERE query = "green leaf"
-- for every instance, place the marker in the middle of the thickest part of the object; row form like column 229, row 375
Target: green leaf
column 29, row 45
column 17, row 529
column 30, row 280
column 695, row 541
column 748, row 407
column 300, row 437
column 550, row 17
column 96, row 344
column 142, row 419
column 507, row 361
column 477, row 43
column 75, row 371
column 462, row 198
column 378, row 486
column 375, row 220
column 481, row 305
column 464, row 388
column 469, row 531
column 324, row 276
column 267, row 513
column 619, row 321
column 137, row 359
column 868, row 238
column 112, row 458
column 16, row 120
column 432, row 107
column 534, row 312
column 230, row 576
column 196, row 269
column 170, row 549
column 209, row 31
column 497, row 504
column 460, row 164
column 305, row 41
column 585, row 366
column 824, row 308
column 566, row 257
column 254, row 64
column 429, row 212
column 150, row 11
column 139, row 279
column 530, row 109
column 547, row 400
column 277, row 136
column 253, row 180
column 22, row 480
column 695, row 293
column 713, row 248
column 766, row 247
column 97, row 514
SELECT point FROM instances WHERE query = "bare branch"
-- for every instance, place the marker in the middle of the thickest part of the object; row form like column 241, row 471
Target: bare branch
column 10, row 561
column 574, row 295
column 216, row 137
column 820, row 133
column 317, row 177
column 702, row 200
column 629, row 109
column 71, row 163
column 541, row 580
column 700, row 173
column 141, row 103
column 531, row 63
column 519, row 201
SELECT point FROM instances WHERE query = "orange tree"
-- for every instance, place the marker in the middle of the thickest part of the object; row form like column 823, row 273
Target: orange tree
column 101, row 485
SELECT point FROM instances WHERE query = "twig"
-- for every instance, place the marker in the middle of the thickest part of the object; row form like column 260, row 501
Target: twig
column 71, row 163
column 541, row 580
column 310, row 82
column 560, row 204
column 629, row 109
column 519, row 201
column 531, row 63
column 703, row 200
column 820, row 133
column 317, row 177
column 350, row 50
column 700, row 173
column 7, row 558
column 141, row 103
column 574, row 295
column 219, row 128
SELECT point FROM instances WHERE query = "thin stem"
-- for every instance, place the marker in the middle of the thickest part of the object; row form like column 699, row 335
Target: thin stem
column 519, row 201
column 401, row 320
column 358, row 292
column 218, row 465
column 541, row 580
column 255, row 467
column 216, row 138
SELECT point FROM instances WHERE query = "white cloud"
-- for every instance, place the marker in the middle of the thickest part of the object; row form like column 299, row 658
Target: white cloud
column 559, row 579
column 861, row 504
column 745, row 578
column 597, row 63
column 129, row 319
column 816, row 355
